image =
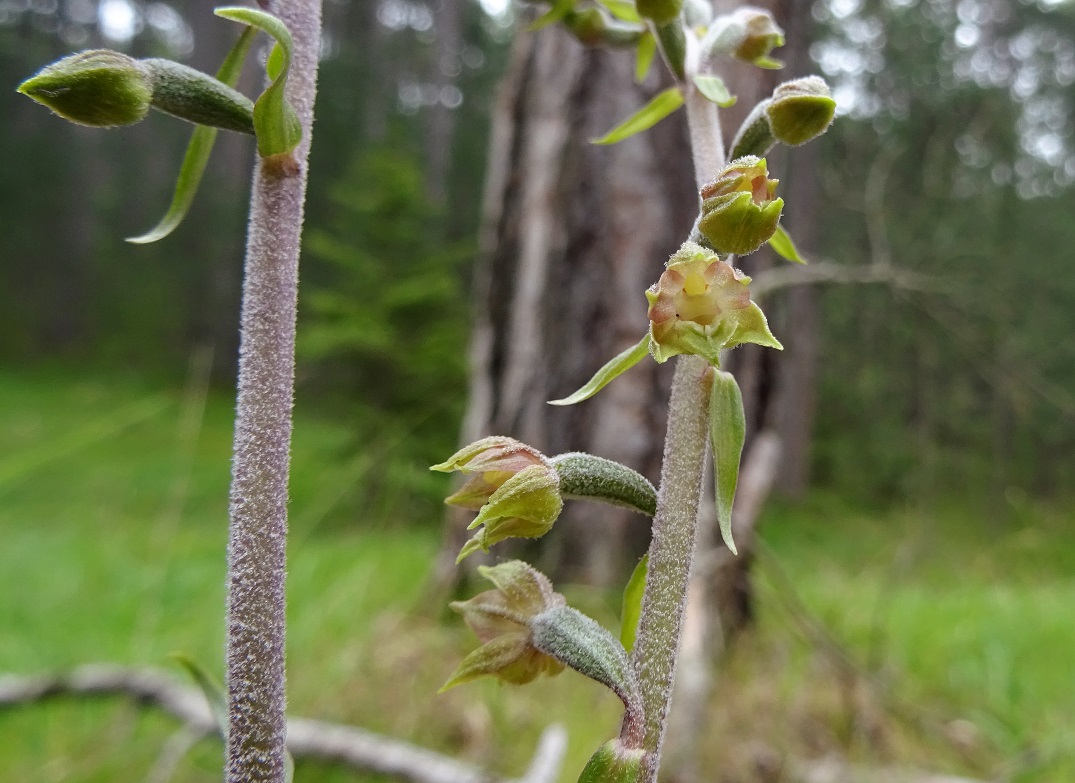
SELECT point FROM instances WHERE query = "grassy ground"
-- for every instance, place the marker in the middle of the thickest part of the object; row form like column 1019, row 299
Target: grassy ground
column 932, row 638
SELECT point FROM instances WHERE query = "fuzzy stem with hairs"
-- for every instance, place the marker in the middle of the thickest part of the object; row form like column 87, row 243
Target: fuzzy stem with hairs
column 671, row 550
column 259, row 491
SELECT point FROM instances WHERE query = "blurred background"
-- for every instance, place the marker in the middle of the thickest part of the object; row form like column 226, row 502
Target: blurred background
column 902, row 607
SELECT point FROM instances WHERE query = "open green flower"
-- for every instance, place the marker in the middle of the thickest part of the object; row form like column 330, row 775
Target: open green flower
column 501, row 619
column 701, row 305
column 514, row 488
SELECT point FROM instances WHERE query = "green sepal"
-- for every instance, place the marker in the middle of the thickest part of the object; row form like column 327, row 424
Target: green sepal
column 198, row 150
column 752, row 327
column 582, row 644
column 614, row 763
column 524, row 506
column 616, row 366
column 783, row 246
column 801, row 110
column 769, row 63
column 276, row 125
column 662, row 104
column 586, row 477
column 509, row 658
column 632, row 603
column 647, row 47
column 210, row 688
column 727, row 433
column 714, row 89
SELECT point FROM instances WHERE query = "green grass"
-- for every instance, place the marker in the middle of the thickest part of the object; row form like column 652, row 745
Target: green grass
column 112, row 534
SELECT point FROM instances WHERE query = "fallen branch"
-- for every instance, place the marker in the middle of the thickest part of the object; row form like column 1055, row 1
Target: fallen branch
column 306, row 738
column 781, row 277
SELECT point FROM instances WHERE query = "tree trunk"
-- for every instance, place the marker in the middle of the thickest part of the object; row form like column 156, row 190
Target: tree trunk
column 572, row 235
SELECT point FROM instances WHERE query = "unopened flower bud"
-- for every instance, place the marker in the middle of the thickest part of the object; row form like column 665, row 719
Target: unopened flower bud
column 501, row 619
column 614, row 763
column 660, row 11
column 701, row 305
column 514, row 488
column 739, row 209
column 747, row 33
column 98, row 87
column 801, row 110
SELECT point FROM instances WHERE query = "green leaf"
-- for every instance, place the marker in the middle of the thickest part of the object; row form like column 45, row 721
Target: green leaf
column 784, row 247
column 618, row 365
column 632, row 603
column 198, row 150
column 624, row 10
column 647, row 47
column 727, row 431
column 275, row 122
column 214, row 693
column 663, row 104
column 714, row 89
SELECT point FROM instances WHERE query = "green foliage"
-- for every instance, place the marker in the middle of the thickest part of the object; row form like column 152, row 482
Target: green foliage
column 659, row 107
column 383, row 325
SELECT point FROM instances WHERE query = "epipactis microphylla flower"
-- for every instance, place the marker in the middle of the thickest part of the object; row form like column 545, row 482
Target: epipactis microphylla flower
column 801, row 110
column 740, row 210
column 514, row 488
column 701, row 305
column 501, row 619
column 761, row 35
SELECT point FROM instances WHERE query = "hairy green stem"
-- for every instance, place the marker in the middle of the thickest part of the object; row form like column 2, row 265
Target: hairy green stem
column 672, row 548
column 258, row 525
column 671, row 551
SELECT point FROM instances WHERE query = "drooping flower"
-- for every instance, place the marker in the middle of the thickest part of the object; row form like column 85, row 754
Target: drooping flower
column 701, row 305
column 501, row 619
column 514, row 488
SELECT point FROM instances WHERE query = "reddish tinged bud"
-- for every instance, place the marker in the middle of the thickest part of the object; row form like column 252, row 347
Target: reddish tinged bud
column 740, row 211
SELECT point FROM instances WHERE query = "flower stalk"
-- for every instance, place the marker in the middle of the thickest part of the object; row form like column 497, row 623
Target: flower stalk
column 258, row 511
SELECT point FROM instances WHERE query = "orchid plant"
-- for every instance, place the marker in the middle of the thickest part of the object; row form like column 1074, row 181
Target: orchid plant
column 699, row 308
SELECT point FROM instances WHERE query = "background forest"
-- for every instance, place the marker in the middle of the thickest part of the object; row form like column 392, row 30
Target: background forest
column 913, row 577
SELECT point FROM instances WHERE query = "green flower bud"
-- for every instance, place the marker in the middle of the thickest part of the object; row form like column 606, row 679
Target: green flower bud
column 701, row 305
column 739, row 210
column 514, row 488
column 614, row 763
column 801, row 110
column 747, row 33
column 660, row 11
column 501, row 619
column 99, row 87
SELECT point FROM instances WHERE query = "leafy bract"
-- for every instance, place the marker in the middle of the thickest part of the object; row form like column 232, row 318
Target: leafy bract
column 727, row 431
column 198, row 150
column 663, row 104
column 618, row 365
column 784, row 247
column 714, row 89
column 275, row 123
column 647, row 47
